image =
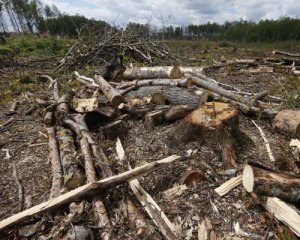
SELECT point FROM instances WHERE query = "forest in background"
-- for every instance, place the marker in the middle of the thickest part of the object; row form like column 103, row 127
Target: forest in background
column 33, row 16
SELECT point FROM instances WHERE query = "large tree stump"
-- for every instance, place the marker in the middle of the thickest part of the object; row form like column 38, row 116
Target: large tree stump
column 288, row 121
column 214, row 122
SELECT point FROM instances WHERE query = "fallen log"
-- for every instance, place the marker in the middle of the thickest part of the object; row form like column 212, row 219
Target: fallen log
column 63, row 104
column 193, row 70
column 288, row 121
column 98, row 207
column 285, row 53
column 268, row 183
column 54, row 156
column 185, row 82
column 175, row 113
column 114, row 97
column 174, row 95
column 219, row 90
column 152, row 72
column 85, row 191
column 73, row 175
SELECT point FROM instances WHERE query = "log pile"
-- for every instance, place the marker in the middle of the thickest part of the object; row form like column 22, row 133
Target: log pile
column 191, row 106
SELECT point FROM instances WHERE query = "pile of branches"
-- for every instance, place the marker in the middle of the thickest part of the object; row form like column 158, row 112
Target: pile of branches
column 100, row 45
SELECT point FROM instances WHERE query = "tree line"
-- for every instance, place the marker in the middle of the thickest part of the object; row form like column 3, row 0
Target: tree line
column 34, row 17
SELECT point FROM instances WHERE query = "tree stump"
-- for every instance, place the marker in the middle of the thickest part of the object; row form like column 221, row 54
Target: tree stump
column 214, row 122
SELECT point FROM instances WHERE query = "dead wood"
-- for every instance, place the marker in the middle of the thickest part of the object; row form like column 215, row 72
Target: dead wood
column 175, row 113
column 133, row 85
column 154, row 211
column 64, row 103
column 152, row 72
column 19, row 186
column 73, row 174
column 114, row 97
column 288, row 121
column 85, row 191
column 285, row 53
column 154, row 118
column 217, row 120
column 268, row 183
column 98, row 206
column 114, row 129
column 54, row 155
column 49, row 119
column 174, row 95
column 228, row 185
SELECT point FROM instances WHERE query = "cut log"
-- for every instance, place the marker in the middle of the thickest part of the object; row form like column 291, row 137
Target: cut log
column 73, row 174
column 214, row 122
column 174, row 95
column 267, row 183
column 175, row 113
column 85, row 191
column 184, row 82
column 152, row 72
column 219, row 90
column 54, row 156
column 193, row 70
column 228, row 185
column 98, row 206
column 158, row 99
column 48, row 119
column 288, row 121
column 285, row 53
column 85, row 105
column 63, row 104
column 114, row 129
column 154, row 118
column 114, row 97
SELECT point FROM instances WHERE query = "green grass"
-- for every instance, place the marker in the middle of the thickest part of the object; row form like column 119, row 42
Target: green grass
column 27, row 45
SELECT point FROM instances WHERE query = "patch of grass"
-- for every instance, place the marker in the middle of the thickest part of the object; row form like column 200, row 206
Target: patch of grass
column 27, row 45
column 24, row 83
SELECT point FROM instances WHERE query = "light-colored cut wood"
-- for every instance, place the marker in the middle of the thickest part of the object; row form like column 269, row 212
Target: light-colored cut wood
column 228, row 185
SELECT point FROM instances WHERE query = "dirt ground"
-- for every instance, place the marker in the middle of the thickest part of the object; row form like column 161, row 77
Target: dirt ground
column 23, row 143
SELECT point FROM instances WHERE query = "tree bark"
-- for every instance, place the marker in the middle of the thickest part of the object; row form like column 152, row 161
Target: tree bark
column 57, row 174
column 288, row 121
column 114, row 97
column 152, row 72
column 267, row 183
column 64, row 103
column 85, row 191
column 73, row 175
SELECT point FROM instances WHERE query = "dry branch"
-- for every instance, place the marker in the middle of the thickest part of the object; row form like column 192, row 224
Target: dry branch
column 272, row 159
column 85, row 191
column 54, row 155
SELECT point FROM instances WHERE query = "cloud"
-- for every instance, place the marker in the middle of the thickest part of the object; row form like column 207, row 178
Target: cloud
column 178, row 12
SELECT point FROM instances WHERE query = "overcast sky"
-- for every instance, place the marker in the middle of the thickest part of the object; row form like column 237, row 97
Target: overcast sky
column 178, row 12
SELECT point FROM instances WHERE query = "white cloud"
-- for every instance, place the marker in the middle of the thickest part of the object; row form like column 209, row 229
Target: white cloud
column 177, row 11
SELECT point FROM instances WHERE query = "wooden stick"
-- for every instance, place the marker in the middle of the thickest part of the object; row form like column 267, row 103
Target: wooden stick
column 85, row 191
column 57, row 174
column 229, row 185
column 154, row 211
column 284, row 213
column 19, row 185
column 272, row 159
column 114, row 97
